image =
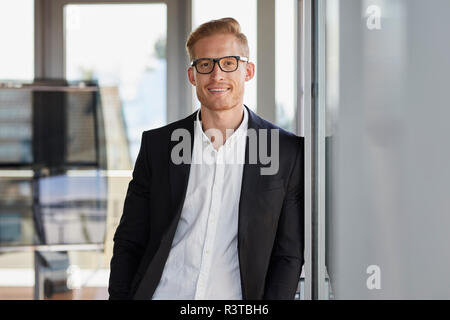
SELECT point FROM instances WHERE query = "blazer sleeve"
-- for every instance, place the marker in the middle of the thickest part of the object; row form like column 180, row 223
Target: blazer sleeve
column 131, row 236
column 287, row 256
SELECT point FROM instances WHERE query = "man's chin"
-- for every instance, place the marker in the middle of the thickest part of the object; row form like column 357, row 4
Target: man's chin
column 219, row 106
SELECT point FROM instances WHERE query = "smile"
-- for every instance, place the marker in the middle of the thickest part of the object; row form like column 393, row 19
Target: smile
column 218, row 90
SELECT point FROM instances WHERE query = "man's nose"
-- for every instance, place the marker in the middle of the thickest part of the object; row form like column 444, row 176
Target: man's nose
column 217, row 73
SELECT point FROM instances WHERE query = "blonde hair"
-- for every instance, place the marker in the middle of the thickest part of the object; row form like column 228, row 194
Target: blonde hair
column 220, row 26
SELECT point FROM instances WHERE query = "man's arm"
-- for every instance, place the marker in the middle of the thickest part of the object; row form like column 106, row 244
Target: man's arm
column 287, row 255
column 130, row 239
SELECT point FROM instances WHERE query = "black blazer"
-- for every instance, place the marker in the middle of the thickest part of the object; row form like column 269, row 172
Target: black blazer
column 270, row 227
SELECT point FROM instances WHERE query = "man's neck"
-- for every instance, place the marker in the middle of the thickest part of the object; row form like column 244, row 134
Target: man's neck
column 221, row 120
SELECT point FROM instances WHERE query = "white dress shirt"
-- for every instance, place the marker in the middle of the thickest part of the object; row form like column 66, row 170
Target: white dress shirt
column 203, row 261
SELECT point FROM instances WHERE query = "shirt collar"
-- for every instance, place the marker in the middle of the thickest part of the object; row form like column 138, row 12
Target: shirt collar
column 239, row 132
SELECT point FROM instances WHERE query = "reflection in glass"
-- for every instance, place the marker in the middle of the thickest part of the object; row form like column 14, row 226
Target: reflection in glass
column 73, row 209
column 81, row 128
column 61, row 128
column 16, row 216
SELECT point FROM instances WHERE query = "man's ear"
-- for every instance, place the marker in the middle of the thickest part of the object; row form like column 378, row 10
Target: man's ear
column 249, row 71
column 190, row 73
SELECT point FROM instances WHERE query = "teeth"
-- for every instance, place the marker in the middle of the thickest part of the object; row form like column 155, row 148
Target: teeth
column 218, row 90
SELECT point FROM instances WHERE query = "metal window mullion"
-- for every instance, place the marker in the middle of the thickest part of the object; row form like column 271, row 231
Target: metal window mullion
column 304, row 97
column 179, row 91
column 319, row 105
column 266, row 59
column 49, row 39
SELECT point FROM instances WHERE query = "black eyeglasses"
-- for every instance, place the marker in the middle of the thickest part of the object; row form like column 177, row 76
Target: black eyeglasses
column 226, row 64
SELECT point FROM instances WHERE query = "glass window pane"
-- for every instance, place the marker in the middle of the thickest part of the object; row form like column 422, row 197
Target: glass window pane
column 73, row 208
column 126, row 54
column 206, row 10
column 17, row 39
column 45, row 197
column 387, row 148
column 16, row 115
column 285, row 76
column 35, row 145
column 16, row 220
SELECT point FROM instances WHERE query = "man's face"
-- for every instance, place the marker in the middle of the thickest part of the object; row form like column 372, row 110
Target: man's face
column 217, row 46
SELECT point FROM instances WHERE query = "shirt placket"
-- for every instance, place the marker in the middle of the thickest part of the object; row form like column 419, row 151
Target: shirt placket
column 216, row 202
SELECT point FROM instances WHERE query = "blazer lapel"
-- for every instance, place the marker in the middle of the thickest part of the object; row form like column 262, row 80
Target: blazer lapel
column 179, row 174
column 249, row 185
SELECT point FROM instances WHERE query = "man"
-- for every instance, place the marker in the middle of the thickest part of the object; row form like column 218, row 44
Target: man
column 217, row 225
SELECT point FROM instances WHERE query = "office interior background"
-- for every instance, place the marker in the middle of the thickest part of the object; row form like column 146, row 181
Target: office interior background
column 364, row 81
